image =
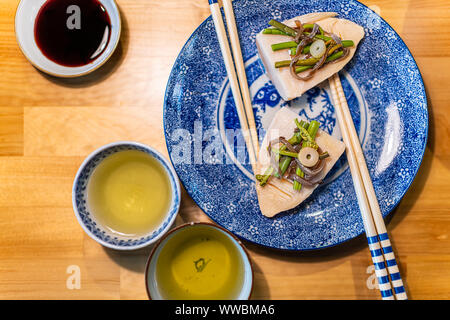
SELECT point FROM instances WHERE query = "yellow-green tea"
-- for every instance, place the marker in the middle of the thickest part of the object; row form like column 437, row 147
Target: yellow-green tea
column 199, row 263
column 129, row 193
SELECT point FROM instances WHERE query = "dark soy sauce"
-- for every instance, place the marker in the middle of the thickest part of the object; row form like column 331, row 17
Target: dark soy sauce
column 72, row 33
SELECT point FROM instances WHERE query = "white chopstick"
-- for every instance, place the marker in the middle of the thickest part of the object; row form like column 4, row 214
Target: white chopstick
column 247, row 132
column 383, row 258
column 240, row 68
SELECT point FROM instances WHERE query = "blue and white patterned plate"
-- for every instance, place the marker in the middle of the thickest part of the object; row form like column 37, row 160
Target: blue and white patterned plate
column 386, row 97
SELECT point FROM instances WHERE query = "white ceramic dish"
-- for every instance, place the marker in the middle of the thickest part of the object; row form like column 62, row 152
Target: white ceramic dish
column 87, row 219
column 26, row 14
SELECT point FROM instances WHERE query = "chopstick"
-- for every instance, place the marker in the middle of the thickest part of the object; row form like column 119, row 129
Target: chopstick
column 240, row 68
column 383, row 257
column 245, row 110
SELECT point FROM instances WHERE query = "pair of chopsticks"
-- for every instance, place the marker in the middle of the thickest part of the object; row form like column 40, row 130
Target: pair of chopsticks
column 236, row 75
column 383, row 258
column 386, row 269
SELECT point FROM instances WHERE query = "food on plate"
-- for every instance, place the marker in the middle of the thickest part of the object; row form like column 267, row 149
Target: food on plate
column 301, row 52
column 294, row 158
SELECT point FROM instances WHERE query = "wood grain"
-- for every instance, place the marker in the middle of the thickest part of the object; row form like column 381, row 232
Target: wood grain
column 48, row 126
column 11, row 131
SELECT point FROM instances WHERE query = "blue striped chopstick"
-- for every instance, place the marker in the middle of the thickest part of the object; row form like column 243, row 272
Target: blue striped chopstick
column 380, row 268
column 396, row 280
column 383, row 258
column 392, row 266
column 380, row 248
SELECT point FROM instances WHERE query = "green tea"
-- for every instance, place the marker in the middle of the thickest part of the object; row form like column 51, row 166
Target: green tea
column 199, row 263
column 129, row 192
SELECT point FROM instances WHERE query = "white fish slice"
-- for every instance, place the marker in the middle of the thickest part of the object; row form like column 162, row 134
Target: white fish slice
column 289, row 87
column 278, row 194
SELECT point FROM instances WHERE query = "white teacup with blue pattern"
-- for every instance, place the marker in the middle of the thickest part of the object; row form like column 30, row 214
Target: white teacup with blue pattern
column 87, row 219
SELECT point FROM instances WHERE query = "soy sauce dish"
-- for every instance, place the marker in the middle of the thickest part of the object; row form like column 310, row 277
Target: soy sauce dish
column 199, row 261
column 64, row 38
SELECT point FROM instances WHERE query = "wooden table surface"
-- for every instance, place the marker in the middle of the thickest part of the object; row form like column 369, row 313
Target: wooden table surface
column 48, row 126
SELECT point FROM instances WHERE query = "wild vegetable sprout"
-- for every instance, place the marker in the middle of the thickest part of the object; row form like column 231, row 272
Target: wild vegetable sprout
column 298, row 159
column 311, row 48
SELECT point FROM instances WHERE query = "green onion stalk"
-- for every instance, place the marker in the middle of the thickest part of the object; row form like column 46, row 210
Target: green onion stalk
column 274, row 31
column 310, row 61
column 301, row 126
column 293, row 49
column 282, row 27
